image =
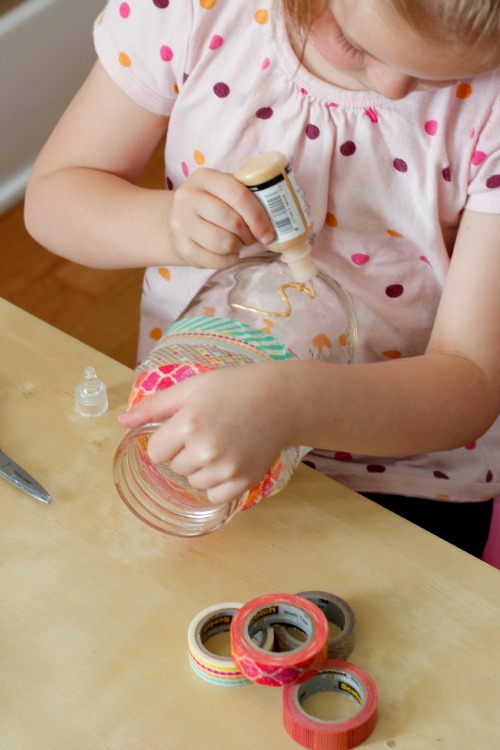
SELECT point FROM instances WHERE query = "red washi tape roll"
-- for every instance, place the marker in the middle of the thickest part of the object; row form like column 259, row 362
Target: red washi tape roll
column 318, row 734
column 278, row 669
column 337, row 612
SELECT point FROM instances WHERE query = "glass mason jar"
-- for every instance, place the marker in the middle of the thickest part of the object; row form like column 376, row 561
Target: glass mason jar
column 252, row 312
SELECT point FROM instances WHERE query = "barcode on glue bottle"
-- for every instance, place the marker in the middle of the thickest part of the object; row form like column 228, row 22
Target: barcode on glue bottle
column 276, row 197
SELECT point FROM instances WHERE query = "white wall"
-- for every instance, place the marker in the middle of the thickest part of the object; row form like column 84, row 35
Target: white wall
column 46, row 51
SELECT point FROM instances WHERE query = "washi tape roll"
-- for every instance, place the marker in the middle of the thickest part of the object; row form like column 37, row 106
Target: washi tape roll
column 279, row 668
column 337, row 612
column 318, row 734
column 215, row 668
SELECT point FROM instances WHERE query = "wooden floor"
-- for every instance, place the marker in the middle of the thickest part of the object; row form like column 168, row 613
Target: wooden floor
column 98, row 307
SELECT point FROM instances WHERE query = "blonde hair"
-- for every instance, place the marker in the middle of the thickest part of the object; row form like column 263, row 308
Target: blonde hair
column 471, row 22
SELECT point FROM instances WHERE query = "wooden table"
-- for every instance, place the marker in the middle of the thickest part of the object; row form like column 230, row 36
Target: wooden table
column 96, row 605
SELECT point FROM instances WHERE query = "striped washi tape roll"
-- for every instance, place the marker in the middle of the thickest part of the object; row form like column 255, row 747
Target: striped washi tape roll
column 215, row 668
column 338, row 612
column 279, row 668
column 319, row 734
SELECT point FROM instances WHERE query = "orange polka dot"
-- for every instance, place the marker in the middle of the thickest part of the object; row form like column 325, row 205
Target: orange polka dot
column 124, row 60
column 442, row 497
column 199, row 158
column 392, row 354
column 165, row 273
column 331, row 220
column 207, row 4
column 321, row 341
column 262, row 16
column 101, row 19
column 393, row 233
column 463, row 90
column 343, row 339
column 209, row 312
column 155, row 334
column 176, row 88
column 268, row 325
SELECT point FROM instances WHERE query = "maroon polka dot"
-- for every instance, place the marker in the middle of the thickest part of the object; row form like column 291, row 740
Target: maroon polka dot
column 440, row 475
column 446, row 174
column 312, row 131
column 264, row 113
column 493, row 181
column 348, row 148
column 489, row 476
column 394, row 290
column 221, row 89
column 309, row 463
column 375, row 468
column 161, row 3
column 400, row 165
column 170, row 184
column 342, row 456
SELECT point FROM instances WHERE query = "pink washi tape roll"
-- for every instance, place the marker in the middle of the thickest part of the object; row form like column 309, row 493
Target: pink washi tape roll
column 278, row 669
column 319, row 734
column 338, row 612
column 216, row 668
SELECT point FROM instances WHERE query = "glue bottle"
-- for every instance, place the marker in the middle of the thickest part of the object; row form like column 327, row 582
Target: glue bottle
column 271, row 179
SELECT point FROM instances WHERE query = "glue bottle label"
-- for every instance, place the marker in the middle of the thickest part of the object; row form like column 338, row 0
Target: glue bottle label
column 285, row 203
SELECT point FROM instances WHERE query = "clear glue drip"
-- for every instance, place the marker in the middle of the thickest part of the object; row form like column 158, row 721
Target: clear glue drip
column 91, row 398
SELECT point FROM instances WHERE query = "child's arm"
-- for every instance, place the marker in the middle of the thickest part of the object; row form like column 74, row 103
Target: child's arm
column 226, row 427
column 83, row 201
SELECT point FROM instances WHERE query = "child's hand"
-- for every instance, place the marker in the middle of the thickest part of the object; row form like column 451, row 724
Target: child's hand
column 223, row 428
column 213, row 217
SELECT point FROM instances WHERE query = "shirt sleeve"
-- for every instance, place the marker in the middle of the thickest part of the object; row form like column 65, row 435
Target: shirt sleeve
column 143, row 47
column 484, row 186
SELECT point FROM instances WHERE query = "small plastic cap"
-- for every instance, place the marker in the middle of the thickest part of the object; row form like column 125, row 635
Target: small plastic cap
column 91, row 398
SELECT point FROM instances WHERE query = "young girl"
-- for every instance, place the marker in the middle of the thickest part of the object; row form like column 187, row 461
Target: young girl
column 389, row 111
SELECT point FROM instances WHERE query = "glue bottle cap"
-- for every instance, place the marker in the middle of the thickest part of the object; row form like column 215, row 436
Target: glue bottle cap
column 91, row 399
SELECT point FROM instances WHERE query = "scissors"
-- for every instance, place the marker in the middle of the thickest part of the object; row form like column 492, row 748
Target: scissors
column 20, row 478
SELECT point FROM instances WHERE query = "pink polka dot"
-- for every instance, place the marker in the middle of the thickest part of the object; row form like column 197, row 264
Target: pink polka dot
column 166, row 53
column 400, row 165
column 333, row 104
column 372, row 114
column 425, row 259
column 470, row 446
column 124, row 10
column 185, row 169
column 216, row 42
column 394, row 290
column 431, row 127
column 342, row 456
column 221, row 90
column 360, row 259
column 303, row 90
column 266, row 62
column 264, row 113
column 312, row 131
column 493, row 181
column 478, row 157
column 348, row 148
column 446, row 174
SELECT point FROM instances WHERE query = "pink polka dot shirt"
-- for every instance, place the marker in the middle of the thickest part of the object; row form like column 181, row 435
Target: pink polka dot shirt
column 386, row 181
